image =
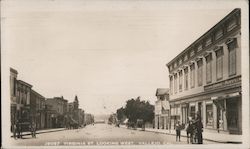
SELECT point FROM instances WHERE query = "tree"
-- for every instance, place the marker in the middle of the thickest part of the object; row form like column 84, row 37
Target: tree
column 121, row 114
column 136, row 109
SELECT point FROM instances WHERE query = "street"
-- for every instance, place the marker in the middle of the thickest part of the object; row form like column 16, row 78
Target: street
column 99, row 134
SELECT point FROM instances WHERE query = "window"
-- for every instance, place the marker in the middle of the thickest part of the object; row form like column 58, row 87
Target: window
column 180, row 80
column 171, row 84
column 175, row 83
column 200, row 63
column 219, row 63
column 209, row 68
column 232, row 57
column 208, row 42
column 209, row 115
column 231, row 25
column 192, row 53
column 192, row 112
column 186, row 78
column 14, row 89
column 199, row 48
column 186, row 57
column 218, row 34
column 192, row 75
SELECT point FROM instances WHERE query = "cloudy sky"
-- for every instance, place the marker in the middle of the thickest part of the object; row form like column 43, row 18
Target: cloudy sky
column 105, row 52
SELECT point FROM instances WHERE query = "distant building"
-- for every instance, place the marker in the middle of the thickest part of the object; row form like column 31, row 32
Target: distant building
column 73, row 111
column 37, row 109
column 59, row 105
column 162, row 109
column 205, row 78
column 50, row 121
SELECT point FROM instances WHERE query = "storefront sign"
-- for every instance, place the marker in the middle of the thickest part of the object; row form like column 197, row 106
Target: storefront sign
column 223, row 84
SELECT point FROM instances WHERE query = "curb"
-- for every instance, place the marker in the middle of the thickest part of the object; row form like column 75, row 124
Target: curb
column 43, row 132
column 232, row 142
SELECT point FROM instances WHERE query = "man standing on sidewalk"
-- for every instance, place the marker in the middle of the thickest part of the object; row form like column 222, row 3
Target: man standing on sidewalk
column 178, row 131
column 199, row 128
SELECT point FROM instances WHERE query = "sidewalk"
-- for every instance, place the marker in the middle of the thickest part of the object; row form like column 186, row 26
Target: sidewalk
column 210, row 136
column 43, row 131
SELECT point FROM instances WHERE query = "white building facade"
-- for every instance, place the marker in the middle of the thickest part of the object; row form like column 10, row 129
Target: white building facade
column 205, row 78
column 162, row 109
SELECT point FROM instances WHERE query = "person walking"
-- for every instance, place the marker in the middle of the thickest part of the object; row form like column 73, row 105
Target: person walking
column 178, row 131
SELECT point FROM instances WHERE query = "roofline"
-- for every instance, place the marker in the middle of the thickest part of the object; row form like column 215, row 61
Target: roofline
column 56, row 98
column 25, row 83
column 37, row 93
column 202, row 36
column 167, row 90
column 13, row 70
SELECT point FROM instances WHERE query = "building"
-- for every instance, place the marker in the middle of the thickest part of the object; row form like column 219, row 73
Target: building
column 162, row 109
column 59, row 106
column 81, row 117
column 49, row 116
column 13, row 95
column 73, row 111
column 37, row 109
column 23, row 91
column 205, row 78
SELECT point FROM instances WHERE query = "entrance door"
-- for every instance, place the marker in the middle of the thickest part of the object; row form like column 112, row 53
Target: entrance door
column 232, row 115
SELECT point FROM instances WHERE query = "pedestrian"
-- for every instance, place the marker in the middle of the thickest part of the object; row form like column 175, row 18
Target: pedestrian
column 178, row 131
column 14, row 129
column 189, row 131
column 34, row 130
column 199, row 128
column 19, row 129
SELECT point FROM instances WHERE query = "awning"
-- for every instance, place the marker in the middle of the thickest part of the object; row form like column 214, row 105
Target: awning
column 226, row 96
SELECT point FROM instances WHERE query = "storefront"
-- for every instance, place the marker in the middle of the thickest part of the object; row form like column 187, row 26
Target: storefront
column 175, row 110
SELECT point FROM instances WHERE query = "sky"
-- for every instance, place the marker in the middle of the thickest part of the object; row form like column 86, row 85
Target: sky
column 105, row 52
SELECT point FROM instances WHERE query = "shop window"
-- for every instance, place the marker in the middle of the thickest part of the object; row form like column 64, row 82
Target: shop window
column 192, row 112
column 219, row 63
column 209, row 115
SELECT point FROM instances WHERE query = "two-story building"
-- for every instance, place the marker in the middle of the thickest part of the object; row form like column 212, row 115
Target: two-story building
column 162, row 109
column 37, row 109
column 59, row 105
column 205, row 78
